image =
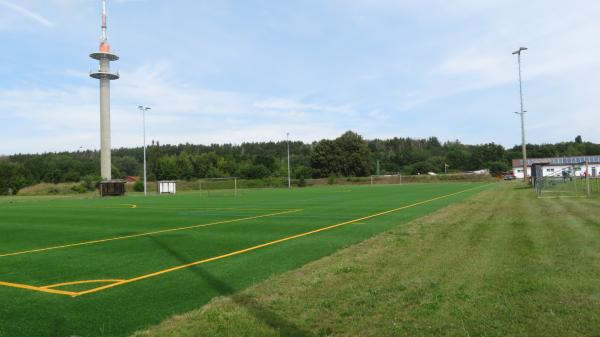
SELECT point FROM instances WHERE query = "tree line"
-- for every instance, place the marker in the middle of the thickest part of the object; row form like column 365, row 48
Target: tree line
column 349, row 155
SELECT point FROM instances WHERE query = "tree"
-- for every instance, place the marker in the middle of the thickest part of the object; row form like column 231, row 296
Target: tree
column 185, row 167
column 252, row 171
column 485, row 154
column 498, row 167
column 166, row 168
column 12, row 178
column 139, row 186
column 326, row 159
column 348, row 156
column 355, row 155
column 128, row 165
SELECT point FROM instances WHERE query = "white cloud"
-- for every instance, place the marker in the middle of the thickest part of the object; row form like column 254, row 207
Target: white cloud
column 27, row 13
column 67, row 118
column 380, row 67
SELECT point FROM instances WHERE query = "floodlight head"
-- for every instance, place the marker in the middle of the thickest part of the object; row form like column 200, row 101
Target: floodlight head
column 519, row 51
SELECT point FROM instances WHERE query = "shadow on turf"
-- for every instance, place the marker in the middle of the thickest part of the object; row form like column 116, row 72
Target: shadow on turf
column 278, row 323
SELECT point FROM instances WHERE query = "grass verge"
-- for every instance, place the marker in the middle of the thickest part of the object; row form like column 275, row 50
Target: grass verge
column 499, row 264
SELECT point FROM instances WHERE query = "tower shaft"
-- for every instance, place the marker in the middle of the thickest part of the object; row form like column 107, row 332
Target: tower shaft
column 104, row 75
column 105, row 149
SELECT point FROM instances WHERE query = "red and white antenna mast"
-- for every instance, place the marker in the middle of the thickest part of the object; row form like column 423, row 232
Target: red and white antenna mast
column 104, row 46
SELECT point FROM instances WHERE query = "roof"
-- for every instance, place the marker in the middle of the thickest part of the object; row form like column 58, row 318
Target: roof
column 558, row 161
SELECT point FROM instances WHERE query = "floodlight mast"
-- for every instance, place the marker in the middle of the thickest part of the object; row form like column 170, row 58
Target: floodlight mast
column 522, row 113
column 144, row 109
column 288, row 161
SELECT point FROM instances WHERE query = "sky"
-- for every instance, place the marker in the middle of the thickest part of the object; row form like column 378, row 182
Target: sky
column 233, row 71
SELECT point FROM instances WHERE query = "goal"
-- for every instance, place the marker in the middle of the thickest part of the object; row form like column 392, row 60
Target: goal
column 218, row 186
column 567, row 183
column 386, row 179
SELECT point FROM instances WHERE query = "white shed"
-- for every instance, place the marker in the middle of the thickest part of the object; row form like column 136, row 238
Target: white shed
column 167, row 187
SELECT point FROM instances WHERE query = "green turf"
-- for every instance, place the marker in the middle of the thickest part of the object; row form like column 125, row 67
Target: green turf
column 27, row 224
column 500, row 263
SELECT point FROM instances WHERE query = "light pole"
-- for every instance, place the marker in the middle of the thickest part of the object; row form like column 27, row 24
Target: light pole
column 522, row 113
column 144, row 109
column 288, row 161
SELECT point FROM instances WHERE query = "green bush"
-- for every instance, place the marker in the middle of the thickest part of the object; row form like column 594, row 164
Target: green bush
column 139, row 186
column 91, row 182
column 53, row 191
column 79, row 188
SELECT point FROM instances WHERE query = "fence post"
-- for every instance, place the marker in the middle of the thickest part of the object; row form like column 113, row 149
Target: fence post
column 587, row 178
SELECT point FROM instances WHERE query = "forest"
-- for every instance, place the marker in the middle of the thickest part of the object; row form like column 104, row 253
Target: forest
column 349, row 155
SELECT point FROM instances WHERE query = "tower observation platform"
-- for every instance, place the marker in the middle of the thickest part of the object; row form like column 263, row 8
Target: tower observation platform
column 102, row 74
column 104, row 56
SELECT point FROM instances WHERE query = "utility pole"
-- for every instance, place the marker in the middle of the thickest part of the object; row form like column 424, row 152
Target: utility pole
column 144, row 109
column 288, row 161
column 522, row 113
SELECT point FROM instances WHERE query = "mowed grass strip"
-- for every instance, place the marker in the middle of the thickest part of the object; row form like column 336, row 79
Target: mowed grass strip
column 121, row 310
column 501, row 263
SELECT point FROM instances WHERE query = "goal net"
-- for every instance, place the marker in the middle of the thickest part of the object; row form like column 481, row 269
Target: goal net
column 386, row 179
column 218, row 187
column 567, row 183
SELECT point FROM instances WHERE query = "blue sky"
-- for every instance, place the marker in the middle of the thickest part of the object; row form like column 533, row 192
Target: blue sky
column 252, row 70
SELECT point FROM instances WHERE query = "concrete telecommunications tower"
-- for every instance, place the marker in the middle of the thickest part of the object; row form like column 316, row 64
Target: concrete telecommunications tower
column 104, row 56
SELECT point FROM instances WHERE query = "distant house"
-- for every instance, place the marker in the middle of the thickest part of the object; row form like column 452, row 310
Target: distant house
column 131, row 179
column 575, row 166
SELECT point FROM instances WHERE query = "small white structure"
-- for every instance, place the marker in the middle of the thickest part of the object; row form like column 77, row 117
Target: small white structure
column 167, row 187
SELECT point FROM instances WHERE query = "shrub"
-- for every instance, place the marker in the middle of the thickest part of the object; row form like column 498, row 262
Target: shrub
column 139, row 186
column 79, row 188
column 91, row 182
column 53, row 191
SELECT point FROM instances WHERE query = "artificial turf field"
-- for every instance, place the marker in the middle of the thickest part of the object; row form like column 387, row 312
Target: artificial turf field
column 108, row 267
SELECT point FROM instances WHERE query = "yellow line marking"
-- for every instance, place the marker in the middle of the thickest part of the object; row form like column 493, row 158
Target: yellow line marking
column 148, row 207
column 215, row 209
column 59, row 285
column 47, row 289
column 148, row 233
column 40, row 289
column 265, row 244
